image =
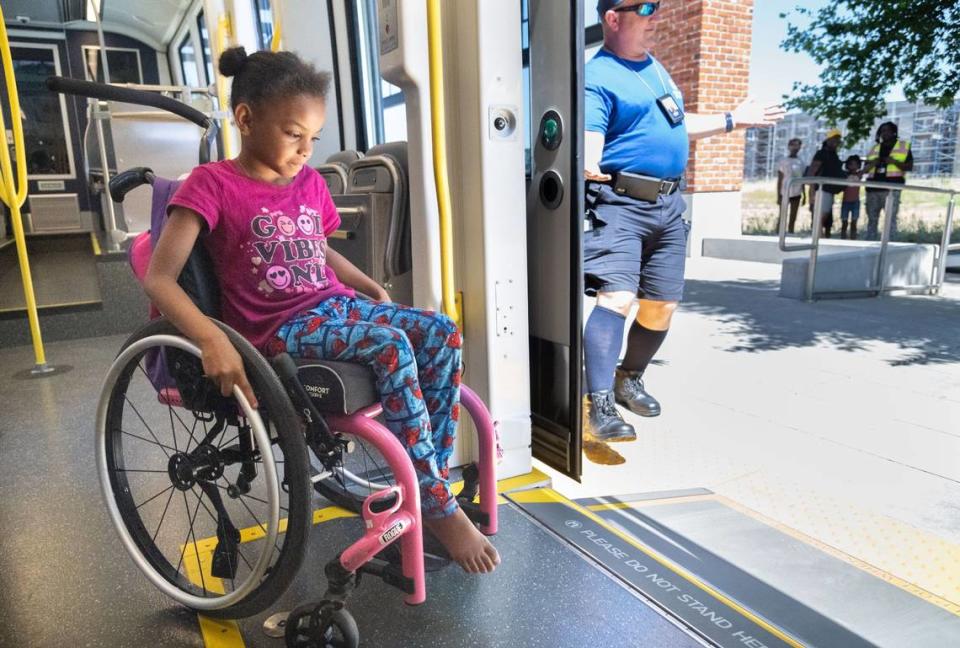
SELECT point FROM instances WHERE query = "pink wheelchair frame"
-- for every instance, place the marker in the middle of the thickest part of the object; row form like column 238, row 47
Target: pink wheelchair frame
column 402, row 520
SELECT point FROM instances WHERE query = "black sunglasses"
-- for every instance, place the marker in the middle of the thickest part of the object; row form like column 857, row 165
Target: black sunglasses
column 644, row 9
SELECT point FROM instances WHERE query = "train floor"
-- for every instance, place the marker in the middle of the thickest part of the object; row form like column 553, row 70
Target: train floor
column 66, row 579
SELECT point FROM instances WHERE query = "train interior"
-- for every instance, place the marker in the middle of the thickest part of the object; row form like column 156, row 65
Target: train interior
column 801, row 488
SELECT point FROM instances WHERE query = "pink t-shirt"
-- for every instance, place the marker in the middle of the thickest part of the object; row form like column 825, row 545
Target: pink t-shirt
column 268, row 244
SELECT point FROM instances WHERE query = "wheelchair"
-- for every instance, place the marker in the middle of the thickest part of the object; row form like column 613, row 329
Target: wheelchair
column 212, row 499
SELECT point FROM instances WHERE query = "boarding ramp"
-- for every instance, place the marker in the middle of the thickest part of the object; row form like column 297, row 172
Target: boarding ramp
column 870, row 270
column 374, row 209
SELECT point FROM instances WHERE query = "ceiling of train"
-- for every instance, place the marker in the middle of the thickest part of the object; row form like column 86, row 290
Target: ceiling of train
column 156, row 19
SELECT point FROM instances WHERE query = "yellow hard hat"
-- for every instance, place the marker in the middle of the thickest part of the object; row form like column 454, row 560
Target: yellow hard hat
column 834, row 132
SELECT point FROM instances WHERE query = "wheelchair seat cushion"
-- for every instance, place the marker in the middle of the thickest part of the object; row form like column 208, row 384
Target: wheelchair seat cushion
column 338, row 387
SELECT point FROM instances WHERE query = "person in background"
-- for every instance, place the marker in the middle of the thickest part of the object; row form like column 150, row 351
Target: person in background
column 850, row 207
column 826, row 163
column 791, row 167
column 635, row 245
column 889, row 161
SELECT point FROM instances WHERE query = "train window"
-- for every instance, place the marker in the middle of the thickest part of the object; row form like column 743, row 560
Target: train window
column 204, row 47
column 264, row 17
column 45, row 130
column 124, row 64
column 188, row 62
column 384, row 111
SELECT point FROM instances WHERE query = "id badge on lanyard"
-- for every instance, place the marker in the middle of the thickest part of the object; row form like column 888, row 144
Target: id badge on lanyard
column 671, row 109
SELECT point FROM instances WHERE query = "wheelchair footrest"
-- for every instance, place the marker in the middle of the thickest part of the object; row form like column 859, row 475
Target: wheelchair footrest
column 435, row 557
column 389, row 573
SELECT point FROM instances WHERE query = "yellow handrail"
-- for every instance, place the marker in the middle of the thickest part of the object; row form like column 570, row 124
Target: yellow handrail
column 438, row 124
column 277, row 35
column 15, row 193
column 224, row 39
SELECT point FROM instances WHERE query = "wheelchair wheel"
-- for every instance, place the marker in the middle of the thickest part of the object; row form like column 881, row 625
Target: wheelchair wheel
column 210, row 497
column 356, row 476
column 310, row 626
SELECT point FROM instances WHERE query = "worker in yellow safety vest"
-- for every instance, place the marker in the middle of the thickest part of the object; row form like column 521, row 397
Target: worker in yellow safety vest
column 888, row 161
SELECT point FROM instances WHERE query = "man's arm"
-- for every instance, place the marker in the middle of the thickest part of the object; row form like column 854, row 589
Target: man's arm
column 749, row 114
column 592, row 154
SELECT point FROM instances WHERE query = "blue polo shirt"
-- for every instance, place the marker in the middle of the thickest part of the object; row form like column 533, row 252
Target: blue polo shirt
column 638, row 136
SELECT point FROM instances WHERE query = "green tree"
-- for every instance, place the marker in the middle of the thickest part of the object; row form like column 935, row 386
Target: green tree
column 866, row 47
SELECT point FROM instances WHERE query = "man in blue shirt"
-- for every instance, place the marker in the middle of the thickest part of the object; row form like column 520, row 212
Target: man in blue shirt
column 635, row 238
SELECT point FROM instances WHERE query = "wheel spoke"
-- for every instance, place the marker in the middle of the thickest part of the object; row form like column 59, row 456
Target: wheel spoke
column 145, row 439
column 220, row 445
column 169, row 499
column 256, row 499
column 189, row 430
column 196, row 547
column 137, row 507
column 137, row 470
column 257, row 522
column 137, row 412
column 186, row 541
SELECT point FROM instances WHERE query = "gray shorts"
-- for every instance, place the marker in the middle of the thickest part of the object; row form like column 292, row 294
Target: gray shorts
column 634, row 245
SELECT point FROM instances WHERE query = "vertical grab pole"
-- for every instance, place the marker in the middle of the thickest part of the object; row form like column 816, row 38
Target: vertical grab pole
column 814, row 242
column 438, row 119
column 114, row 234
column 945, row 245
column 15, row 194
column 275, row 40
column 884, row 242
column 224, row 39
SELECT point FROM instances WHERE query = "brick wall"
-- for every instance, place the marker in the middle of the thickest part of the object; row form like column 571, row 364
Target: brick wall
column 705, row 45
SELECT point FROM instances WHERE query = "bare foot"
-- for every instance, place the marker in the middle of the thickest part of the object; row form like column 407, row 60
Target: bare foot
column 466, row 545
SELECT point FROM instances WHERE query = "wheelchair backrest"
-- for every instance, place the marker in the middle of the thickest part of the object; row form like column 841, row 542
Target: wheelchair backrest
column 197, row 278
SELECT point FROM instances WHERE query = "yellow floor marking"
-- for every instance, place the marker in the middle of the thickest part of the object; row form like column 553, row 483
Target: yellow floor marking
column 198, row 560
column 220, row 633
column 96, row 244
column 547, row 495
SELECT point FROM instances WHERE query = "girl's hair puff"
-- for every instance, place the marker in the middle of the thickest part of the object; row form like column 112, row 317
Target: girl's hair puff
column 263, row 76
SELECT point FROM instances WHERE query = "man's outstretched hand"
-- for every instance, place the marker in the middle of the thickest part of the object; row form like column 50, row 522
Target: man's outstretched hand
column 750, row 114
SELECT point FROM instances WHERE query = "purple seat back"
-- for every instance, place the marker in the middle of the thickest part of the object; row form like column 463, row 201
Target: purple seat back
column 139, row 256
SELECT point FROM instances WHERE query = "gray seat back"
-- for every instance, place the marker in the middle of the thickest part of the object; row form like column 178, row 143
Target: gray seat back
column 334, row 170
column 375, row 226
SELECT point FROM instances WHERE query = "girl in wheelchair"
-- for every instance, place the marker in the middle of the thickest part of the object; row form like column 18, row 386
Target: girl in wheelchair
column 265, row 217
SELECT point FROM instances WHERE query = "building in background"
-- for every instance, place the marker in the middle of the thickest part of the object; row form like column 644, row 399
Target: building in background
column 932, row 133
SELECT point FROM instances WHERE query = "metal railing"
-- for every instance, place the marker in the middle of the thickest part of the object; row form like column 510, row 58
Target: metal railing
column 879, row 284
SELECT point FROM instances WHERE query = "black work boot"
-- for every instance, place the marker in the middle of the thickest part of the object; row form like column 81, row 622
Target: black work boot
column 606, row 424
column 632, row 395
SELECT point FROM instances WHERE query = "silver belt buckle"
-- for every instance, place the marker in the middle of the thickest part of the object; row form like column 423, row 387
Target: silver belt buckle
column 666, row 187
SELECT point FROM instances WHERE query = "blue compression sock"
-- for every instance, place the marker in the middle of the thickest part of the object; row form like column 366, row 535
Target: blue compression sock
column 602, row 338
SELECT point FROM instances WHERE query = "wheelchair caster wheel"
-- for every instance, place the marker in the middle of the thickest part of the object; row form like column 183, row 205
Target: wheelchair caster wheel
column 321, row 626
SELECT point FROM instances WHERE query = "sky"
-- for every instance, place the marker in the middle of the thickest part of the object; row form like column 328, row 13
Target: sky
column 772, row 70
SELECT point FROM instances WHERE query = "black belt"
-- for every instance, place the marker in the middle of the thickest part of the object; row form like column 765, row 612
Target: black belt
column 643, row 187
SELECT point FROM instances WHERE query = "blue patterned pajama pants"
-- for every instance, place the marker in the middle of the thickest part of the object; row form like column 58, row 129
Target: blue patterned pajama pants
column 415, row 355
